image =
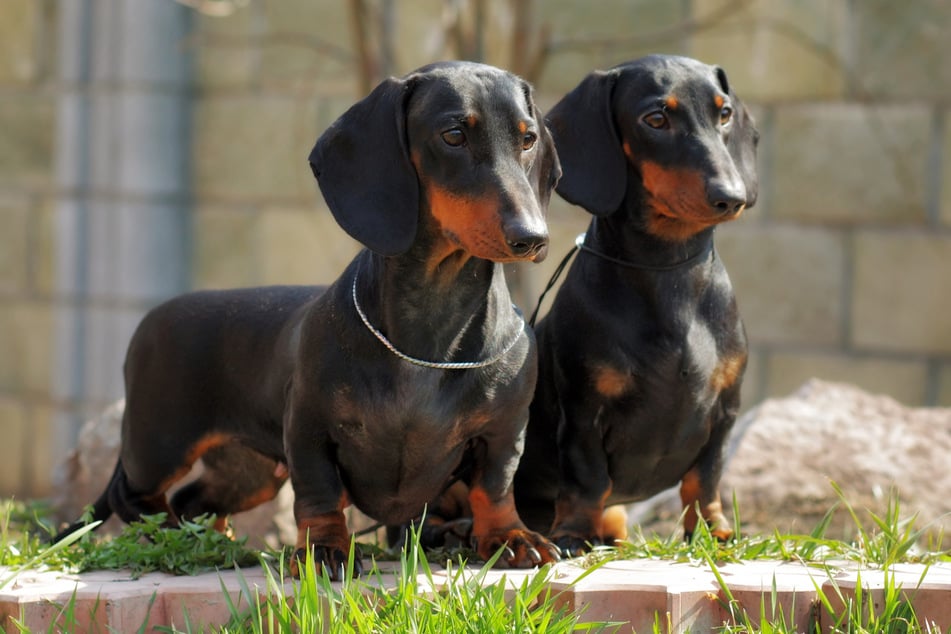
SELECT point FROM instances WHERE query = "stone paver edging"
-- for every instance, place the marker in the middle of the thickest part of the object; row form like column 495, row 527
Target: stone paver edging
column 683, row 595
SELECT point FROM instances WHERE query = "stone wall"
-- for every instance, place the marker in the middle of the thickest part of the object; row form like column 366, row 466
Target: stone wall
column 28, row 108
column 842, row 269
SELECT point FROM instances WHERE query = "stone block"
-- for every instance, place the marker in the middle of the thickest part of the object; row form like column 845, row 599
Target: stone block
column 70, row 39
column 101, row 238
column 253, row 148
column 68, row 339
column 68, row 271
column 107, row 334
column 159, row 54
column 90, row 349
column 754, row 386
column 643, row 593
column 70, row 170
column 789, row 281
column 26, row 347
column 927, row 594
column 781, row 592
column 18, row 41
column 133, row 251
column 26, row 145
column 850, row 163
column 49, row 441
column 329, row 108
column 901, row 50
column 151, row 143
column 302, row 247
column 104, row 18
column 898, row 303
column 420, row 22
column 307, row 41
column 149, row 256
column 775, row 51
column 15, row 424
column 223, row 248
column 14, row 246
column 944, row 385
column 905, row 381
column 44, row 254
column 617, row 31
column 226, row 55
column 944, row 201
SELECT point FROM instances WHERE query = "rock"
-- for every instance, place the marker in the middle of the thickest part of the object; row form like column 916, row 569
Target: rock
column 785, row 454
column 83, row 474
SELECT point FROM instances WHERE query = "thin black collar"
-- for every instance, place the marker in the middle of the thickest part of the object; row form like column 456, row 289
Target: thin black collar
column 581, row 246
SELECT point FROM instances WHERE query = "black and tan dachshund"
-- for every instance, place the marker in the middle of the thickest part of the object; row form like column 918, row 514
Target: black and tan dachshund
column 411, row 367
column 643, row 351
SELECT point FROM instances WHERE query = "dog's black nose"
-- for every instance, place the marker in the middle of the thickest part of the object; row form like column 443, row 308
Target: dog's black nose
column 528, row 245
column 726, row 199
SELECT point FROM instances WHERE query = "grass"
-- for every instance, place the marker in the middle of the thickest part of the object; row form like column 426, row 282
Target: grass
column 142, row 547
column 414, row 600
column 880, row 541
column 460, row 599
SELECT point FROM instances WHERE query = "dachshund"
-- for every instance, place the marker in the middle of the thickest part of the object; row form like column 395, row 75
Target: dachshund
column 379, row 389
column 642, row 353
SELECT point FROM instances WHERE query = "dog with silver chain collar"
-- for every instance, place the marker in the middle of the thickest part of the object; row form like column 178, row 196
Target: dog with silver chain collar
column 411, row 371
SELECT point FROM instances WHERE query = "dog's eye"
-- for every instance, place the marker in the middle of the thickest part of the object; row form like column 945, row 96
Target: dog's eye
column 656, row 120
column 454, row 137
column 528, row 140
column 726, row 113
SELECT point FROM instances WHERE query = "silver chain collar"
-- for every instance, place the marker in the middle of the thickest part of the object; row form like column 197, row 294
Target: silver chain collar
column 439, row 365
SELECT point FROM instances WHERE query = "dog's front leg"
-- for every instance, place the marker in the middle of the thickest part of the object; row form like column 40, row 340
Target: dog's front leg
column 584, row 483
column 700, row 486
column 319, row 500
column 495, row 522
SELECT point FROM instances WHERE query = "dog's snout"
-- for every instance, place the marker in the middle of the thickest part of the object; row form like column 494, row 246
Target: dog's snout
column 727, row 199
column 528, row 244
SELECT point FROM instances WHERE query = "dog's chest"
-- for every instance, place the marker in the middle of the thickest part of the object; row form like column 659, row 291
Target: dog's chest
column 398, row 443
column 416, row 412
column 658, row 390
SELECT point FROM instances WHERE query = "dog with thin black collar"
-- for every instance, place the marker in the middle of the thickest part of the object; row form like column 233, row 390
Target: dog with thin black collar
column 642, row 353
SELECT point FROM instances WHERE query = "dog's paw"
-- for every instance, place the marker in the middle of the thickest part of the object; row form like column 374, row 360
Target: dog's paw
column 436, row 535
column 717, row 525
column 574, row 545
column 521, row 548
column 331, row 560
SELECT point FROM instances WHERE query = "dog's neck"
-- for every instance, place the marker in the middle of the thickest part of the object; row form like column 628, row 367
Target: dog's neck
column 459, row 311
column 621, row 237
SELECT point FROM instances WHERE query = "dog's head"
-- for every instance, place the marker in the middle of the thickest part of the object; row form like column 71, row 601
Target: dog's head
column 665, row 135
column 457, row 147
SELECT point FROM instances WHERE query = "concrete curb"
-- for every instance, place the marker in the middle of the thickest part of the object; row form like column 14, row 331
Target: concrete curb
column 679, row 596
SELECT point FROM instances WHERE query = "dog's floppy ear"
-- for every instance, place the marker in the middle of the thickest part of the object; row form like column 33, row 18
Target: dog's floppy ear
column 743, row 139
column 589, row 146
column 364, row 171
column 546, row 170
